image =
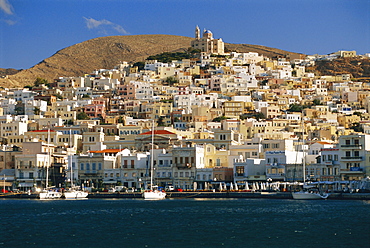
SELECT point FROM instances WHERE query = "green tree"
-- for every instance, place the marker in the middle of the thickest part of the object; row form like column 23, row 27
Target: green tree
column 357, row 127
column 220, row 118
column 39, row 81
column 160, row 121
column 316, row 102
column 295, row 108
column 82, row 116
column 36, row 111
column 171, row 80
column 259, row 116
column 140, row 65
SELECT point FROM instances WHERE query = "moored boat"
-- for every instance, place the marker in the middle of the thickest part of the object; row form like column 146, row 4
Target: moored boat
column 305, row 195
column 75, row 194
column 48, row 194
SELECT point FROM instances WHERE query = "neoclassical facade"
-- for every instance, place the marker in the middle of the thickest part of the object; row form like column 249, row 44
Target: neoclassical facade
column 207, row 43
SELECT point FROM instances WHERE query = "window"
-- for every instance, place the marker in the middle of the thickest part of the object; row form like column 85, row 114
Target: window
column 87, row 166
column 99, row 166
column 240, row 170
column 93, row 166
column 82, row 166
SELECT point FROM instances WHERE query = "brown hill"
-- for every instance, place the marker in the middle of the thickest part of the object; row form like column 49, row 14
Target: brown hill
column 357, row 67
column 106, row 52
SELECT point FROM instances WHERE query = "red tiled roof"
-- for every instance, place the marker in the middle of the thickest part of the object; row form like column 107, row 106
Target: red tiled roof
column 107, row 151
column 42, row 131
column 157, row 132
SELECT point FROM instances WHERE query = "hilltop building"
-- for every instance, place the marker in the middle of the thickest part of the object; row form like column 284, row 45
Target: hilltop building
column 207, row 43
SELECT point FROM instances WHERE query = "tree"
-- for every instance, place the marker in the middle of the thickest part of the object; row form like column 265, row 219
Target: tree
column 140, row 65
column 295, row 108
column 220, row 118
column 171, row 80
column 259, row 116
column 39, row 81
column 82, row 116
column 316, row 102
column 357, row 127
column 36, row 111
column 160, row 121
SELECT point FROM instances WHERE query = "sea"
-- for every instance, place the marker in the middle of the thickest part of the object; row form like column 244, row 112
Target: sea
column 184, row 223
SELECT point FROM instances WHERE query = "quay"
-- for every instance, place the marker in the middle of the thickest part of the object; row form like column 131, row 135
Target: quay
column 201, row 194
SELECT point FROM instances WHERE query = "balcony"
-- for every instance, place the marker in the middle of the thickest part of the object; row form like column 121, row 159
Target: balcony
column 358, row 146
column 276, row 176
column 359, row 158
column 90, row 172
column 183, row 165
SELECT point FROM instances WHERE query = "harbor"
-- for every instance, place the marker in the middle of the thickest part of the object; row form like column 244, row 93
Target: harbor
column 199, row 194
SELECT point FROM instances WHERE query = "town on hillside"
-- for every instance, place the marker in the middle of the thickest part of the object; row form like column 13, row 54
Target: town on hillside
column 210, row 119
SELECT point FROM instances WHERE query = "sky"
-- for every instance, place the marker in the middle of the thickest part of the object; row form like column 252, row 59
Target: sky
column 33, row 30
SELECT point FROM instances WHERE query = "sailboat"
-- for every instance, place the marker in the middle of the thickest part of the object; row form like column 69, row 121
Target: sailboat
column 49, row 193
column 307, row 194
column 74, row 192
column 154, row 193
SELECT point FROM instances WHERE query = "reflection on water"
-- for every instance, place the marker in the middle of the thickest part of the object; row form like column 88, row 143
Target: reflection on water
column 184, row 223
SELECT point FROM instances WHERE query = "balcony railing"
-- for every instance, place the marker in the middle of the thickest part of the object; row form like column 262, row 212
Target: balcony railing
column 352, row 158
column 358, row 146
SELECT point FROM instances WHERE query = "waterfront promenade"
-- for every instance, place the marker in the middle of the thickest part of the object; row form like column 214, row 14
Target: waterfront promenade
column 202, row 194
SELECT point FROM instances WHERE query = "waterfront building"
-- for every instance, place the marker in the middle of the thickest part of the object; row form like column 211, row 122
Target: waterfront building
column 353, row 150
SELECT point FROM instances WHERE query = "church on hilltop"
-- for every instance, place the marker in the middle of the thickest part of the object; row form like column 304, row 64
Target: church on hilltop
column 207, row 43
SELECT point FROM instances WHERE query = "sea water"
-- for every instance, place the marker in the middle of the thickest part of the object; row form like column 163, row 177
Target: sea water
column 184, row 223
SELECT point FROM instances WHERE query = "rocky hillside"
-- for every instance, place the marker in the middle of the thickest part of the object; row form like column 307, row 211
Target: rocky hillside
column 106, row 52
column 357, row 67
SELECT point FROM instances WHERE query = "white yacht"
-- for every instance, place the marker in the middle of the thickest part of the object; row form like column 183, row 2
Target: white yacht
column 306, row 195
column 75, row 194
column 154, row 193
column 48, row 194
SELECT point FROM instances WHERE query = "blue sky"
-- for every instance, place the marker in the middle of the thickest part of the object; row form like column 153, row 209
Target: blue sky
column 32, row 30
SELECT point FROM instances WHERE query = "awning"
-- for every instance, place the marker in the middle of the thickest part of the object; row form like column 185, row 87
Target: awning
column 25, row 185
column 109, row 182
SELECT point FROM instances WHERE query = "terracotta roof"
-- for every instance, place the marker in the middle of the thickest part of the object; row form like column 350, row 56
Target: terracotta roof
column 42, row 131
column 157, row 132
column 107, row 151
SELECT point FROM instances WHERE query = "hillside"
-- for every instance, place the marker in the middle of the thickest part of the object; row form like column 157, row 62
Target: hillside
column 357, row 67
column 106, row 52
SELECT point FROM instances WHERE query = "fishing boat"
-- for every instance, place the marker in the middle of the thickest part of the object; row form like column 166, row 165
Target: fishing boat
column 154, row 193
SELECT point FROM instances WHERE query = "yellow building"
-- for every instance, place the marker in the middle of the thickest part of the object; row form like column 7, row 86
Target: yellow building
column 207, row 43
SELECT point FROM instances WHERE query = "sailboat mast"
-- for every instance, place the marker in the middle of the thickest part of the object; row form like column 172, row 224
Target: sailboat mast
column 70, row 156
column 152, row 158
column 304, row 155
column 47, row 166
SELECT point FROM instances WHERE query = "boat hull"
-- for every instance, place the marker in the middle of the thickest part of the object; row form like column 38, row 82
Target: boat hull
column 75, row 195
column 154, row 195
column 50, row 195
column 308, row 196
